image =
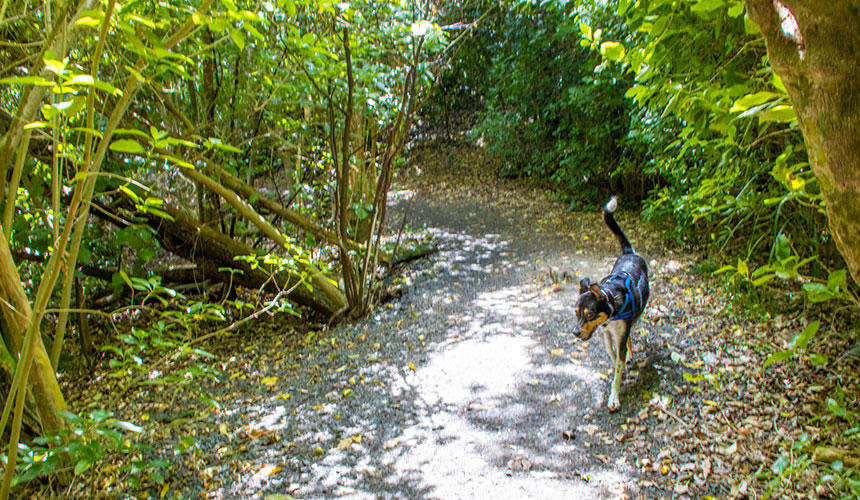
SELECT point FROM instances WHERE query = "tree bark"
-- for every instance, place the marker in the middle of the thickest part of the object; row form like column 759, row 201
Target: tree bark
column 15, row 306
column 212, row 250
column 317, row 279
column 821, row 71
column 248, row 192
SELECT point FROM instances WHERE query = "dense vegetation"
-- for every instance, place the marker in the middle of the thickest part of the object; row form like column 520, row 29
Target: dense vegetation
column 160, row 159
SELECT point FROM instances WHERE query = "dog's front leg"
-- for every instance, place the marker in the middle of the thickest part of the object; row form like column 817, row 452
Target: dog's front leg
column 620, row 333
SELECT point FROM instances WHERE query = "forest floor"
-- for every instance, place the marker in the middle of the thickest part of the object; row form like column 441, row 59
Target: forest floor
column 472, row 384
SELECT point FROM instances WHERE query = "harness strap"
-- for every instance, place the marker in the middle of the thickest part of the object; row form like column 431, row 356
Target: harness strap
column 624, row 312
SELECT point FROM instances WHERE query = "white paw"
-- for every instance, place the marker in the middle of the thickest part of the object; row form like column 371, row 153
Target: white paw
column 613, row 404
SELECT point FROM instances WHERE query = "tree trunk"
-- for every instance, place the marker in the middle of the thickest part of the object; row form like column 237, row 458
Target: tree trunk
column 821, row 70
column 212, row 250
column 18, row 314
column 258, row 201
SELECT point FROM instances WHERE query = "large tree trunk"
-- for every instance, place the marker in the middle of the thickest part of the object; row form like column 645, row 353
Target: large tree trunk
column 820, row 68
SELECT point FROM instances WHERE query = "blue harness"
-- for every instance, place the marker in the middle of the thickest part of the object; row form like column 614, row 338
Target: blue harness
column 624, row 312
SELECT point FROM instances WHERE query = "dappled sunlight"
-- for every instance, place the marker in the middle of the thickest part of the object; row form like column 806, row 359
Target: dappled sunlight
column 462, row 389
column 474, row 368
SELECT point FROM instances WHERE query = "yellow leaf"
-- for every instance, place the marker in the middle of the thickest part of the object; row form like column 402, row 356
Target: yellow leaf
column 268, row 470
column 269, row 381
column 344, row 443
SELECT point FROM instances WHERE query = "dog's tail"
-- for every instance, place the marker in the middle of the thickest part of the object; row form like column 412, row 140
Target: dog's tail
column 609, row 219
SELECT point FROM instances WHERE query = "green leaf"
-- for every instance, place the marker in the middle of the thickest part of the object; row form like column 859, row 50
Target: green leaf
column 85, row 80
column 763, row 279
column 27, row 80
column 743, row 269
column 780, row 464
column 777, row 82
column 817, row 292
column 778, row 357
column 53, row 65
column 613, row 51
column 131, row 131
column 126, row 146
column 160, row 213
column 82, row 466
column 125, row 278
column 227, row 147
column 750, row 27
column 291, row 8
column 736, row 9
column 219, row 24
column 237, row 36
column 84, row 255
column 818, row 359
column 782, row 114
column 751, row 100
column 802, row 340
column 837, row 279
column 782, row 248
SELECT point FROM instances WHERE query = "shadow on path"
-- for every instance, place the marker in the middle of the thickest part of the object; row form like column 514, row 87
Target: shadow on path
column 470, row 386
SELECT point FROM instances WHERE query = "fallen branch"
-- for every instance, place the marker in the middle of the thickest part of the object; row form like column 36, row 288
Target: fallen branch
column 830, row 454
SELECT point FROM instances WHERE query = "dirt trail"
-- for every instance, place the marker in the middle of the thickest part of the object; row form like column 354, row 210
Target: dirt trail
column 469, row 386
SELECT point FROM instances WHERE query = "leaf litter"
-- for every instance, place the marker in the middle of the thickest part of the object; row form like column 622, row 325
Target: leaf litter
column 372, row 410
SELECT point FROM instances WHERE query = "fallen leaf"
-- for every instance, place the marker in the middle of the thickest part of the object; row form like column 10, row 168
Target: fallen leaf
column 344, row 443
column 268, row 470
column 391, row 443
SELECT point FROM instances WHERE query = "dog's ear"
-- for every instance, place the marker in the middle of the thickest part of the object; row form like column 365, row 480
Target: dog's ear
column 584, row 284
column 595, row 290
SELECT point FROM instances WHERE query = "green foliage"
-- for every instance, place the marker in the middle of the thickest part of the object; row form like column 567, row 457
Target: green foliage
column 787, row 468
column 87, row 441
column 548, row 115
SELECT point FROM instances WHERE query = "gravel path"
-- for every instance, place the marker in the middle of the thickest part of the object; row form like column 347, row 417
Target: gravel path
column 469, row 386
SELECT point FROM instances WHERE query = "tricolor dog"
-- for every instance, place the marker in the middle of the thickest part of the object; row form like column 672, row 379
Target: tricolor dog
column 615, row 303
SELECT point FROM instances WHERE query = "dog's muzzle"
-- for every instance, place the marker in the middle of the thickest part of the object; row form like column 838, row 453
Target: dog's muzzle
column 585, row 329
